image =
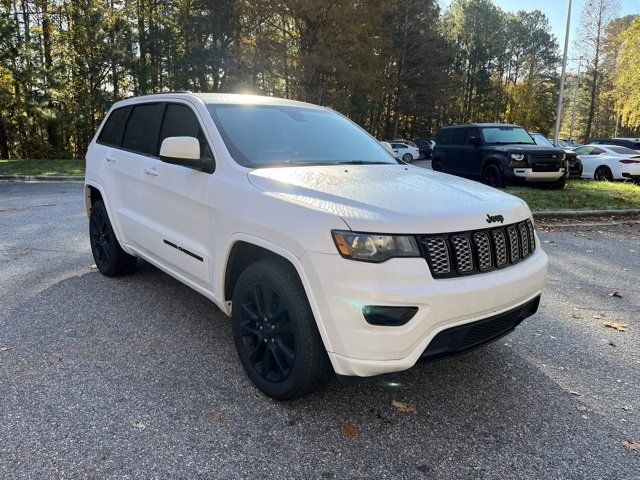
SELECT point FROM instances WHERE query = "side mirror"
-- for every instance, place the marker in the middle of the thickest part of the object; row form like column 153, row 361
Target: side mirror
column 474, row 140
column 184, row 151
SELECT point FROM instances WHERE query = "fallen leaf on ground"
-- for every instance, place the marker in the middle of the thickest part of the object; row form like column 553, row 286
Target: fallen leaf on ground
column 139, row 426
column 573, row 392
column 626, row 408
column 349, row 430
column 5, row 349
column 93, row 266
column 581, row 408
column 632, row 445
column 217, row 418
column 621, row 327
column 575, row 315
column 404, row 407
column 616, row 294
column 612, row 343
column 598, row 315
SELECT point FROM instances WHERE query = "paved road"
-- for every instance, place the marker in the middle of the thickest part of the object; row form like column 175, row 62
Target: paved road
column 137, row 377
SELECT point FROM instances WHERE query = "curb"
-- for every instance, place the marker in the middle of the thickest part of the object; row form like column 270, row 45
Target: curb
column 43, row 178
column 587, row 213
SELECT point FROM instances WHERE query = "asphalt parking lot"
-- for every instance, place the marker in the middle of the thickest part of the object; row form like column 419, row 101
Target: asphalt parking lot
column 137, row 377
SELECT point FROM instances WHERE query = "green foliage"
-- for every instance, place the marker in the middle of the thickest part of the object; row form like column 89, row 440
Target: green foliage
column 398, row 68
column 581, row 195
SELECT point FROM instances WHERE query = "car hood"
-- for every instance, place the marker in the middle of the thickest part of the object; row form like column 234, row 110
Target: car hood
column 530, row 149
column 391, row 198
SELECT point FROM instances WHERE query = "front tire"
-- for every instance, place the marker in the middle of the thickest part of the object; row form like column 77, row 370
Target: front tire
column 275, row 332
column 492, row 176
column 603, row 174
column 407, row 158
column 111, row 260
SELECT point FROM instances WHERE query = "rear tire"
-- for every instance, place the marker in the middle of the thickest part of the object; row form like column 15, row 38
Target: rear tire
column 437, row 165
column 492, row 176
column 275, row 332
column 603, row 174
column 111, row 260
column 407, row 157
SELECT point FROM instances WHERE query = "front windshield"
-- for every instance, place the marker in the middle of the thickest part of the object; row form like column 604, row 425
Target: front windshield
column 271, row 135
column 623, row 150
column 506, row 136
column 541, row 140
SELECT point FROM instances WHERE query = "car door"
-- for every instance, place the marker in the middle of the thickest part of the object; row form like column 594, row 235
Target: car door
column 177, row 201
column 122, row 170
column 470, row 155
column 456, row 152
column 588, row 159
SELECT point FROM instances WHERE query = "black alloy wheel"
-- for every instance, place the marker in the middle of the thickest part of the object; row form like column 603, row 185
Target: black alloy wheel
column 101, row 239
column 275, row 331
column 111, row 260
column 266, row 333
column 492, row 176
column 603, row 174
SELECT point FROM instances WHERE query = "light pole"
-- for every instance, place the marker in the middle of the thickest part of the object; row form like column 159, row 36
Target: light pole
column 573, row 101
column 556, row 131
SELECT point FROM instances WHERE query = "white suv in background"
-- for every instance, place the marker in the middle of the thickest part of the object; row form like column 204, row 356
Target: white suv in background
column 327, row 253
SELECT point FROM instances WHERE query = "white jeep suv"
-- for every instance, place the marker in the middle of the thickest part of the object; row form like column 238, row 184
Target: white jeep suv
column 328, row 253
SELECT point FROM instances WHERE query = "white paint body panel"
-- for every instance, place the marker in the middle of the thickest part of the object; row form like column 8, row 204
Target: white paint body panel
column 291, row 211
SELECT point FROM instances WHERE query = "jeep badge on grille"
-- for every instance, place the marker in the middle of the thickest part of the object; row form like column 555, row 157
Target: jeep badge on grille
column 495, row 218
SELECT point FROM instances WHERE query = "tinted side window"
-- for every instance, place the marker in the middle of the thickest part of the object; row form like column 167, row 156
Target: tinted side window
column 444, row 137
column 596, row 151
column 180, row 121
column 459, row 136
column 471, row 132
column 111, row 133
column 141, row 134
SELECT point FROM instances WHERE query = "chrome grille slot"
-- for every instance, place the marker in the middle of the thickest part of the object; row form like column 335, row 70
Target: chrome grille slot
column 483, row 248
column 463, row 255
column 524, row 238
column 500, row 247
column 514, row 244
column 478, row 251
column 438, row 253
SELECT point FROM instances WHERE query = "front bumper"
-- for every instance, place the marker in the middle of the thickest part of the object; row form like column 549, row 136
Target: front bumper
column 342, row 287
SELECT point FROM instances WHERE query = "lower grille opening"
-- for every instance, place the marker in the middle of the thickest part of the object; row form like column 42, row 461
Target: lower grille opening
column 461, row 339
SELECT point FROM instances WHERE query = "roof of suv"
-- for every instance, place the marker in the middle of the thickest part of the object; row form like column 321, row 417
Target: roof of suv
column 483, row 125
column 229, row 98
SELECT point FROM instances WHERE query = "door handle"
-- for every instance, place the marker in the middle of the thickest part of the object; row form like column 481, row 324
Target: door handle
column 110, row 159
column 151, row 171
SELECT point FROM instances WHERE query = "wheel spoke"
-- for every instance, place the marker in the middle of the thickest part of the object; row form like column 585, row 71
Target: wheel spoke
column 267, row 362
column 249, row 329
column 279, row 361
column 258, row 299
column 250, row 312
column 285, row 350
column 257, row 353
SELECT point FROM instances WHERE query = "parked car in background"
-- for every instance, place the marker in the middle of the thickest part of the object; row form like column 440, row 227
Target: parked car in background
column 405, row 152
column 408, row 142
column 632, row 143
column 575, row 165
column 327, row 253
column 499, row 154
column 609, row 162
column 568, row 143
column 425, row 147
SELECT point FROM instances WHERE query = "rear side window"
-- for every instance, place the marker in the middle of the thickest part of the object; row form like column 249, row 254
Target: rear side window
column 180, row 121
column 444, row 138
column 459, row 137
column 471, row 132
column 111, row 133
column 141, row 134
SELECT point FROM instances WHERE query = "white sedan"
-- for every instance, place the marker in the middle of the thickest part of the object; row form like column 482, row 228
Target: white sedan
column 609, row 162
column 406, row 152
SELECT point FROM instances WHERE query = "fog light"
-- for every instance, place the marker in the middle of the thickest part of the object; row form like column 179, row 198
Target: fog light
column 388, row 316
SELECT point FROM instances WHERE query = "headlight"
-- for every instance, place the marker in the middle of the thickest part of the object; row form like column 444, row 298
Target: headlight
column 518, row 157
column 370, row 247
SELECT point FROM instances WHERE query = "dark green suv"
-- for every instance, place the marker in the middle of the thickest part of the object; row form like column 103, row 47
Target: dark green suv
column 499, row 154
